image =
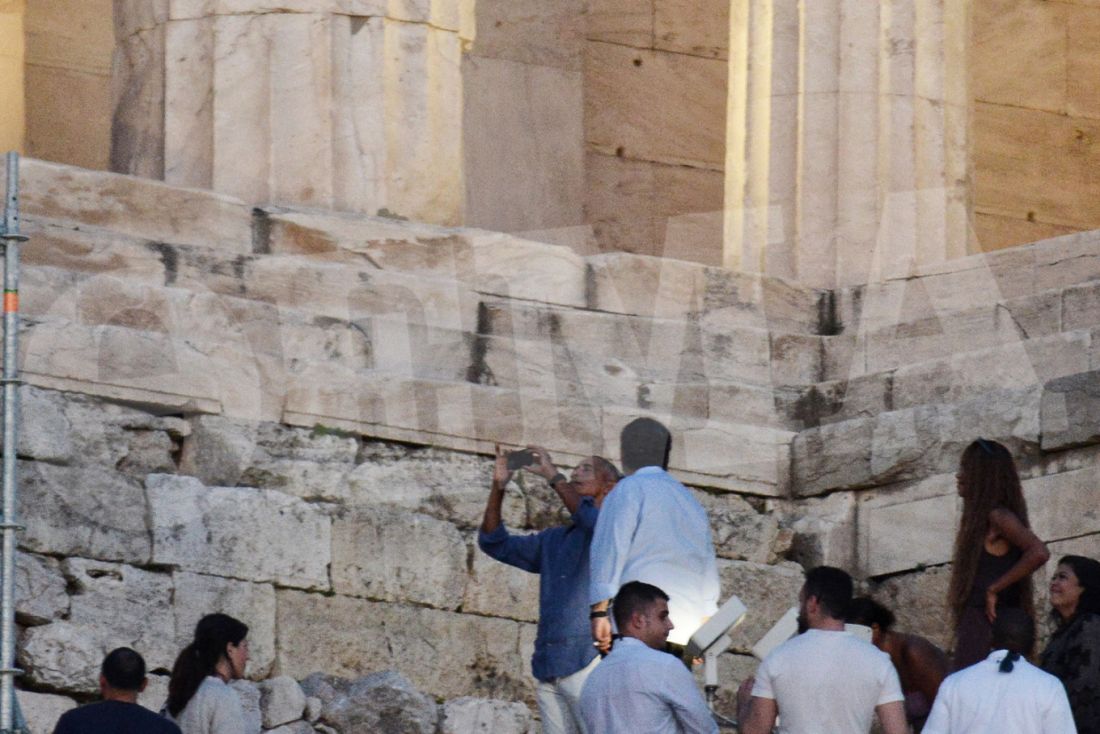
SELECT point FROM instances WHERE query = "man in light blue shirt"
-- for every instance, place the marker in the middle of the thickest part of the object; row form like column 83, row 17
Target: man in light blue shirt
column 652, row 529
column 638, row 688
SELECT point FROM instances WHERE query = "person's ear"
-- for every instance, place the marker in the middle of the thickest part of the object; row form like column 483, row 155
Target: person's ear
column 103, row 685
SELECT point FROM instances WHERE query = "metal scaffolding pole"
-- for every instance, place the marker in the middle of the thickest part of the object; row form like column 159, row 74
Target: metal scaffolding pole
column 10, row 718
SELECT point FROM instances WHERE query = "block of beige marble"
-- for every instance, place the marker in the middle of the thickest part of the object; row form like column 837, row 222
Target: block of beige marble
column 530, row 32
column 919, row 601
column 499, row 590
column 626, row 22
column 1048, row 154
column 524, row 144
column 189, row 98
column 888, row 515
column 135, row 206
column 656, row 106
column 645, row 286
column 695, row 27
column 997, row 230
column 654, row 209
column 1008, row 34
column 1082, row 30
column 390, row 555
column 471, row 655
column 195, row 595
column 127, row 605
column 256, row 535
column 767, row 590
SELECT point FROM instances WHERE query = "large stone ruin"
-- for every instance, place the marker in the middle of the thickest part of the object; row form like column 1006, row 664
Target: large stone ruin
column 287, row 414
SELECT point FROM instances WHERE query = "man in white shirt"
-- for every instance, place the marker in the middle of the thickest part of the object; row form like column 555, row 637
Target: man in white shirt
column 824, row 680
column 1003, row 694
column 652, row 529
column 638, row 689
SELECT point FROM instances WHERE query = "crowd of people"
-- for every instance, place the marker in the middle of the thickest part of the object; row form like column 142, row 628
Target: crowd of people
column 633, row 574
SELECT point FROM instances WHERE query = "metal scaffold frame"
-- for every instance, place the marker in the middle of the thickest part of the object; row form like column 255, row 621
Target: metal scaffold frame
column 11, row 719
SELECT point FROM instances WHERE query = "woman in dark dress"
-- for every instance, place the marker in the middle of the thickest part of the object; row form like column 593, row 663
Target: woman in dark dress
column 995, row 550
column 1073, row 654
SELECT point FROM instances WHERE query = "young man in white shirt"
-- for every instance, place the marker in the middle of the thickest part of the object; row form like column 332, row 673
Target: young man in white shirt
column 652, row 529
column 638, row 688
column 825, row 679
column 1003, row 694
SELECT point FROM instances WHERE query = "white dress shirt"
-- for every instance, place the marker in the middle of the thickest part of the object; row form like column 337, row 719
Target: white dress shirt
column 638, row 690
column 652, row 529
column 983, row 700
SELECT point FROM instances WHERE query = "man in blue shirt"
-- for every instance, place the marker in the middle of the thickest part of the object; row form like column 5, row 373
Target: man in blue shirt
column 564, row 655
column 121, row 679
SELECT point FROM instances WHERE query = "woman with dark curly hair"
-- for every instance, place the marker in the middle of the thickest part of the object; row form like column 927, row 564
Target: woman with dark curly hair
column 1073, row 653
column 199, row 697
column 995, row 550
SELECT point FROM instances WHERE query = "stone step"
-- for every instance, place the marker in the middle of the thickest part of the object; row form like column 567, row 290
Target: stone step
column 133, row 206
column 961, row 377
column 912, row 443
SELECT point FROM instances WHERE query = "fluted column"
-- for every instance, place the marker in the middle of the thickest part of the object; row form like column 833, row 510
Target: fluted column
column 846, row 138
column 348, row 104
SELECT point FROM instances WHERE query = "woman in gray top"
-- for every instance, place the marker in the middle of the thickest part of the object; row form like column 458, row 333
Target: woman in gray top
column 199, row 697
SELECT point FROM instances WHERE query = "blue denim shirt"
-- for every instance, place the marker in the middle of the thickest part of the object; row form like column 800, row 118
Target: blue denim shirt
column 560, row 557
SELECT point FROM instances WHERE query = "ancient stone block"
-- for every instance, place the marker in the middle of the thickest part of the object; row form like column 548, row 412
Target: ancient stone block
column 638, row 100
column 1062, row 505
column 297, row 727
column 281, row 701
column 524, row 143
column 649, row 208
column 1069, row 411
column 767, row 591
column 125, row 606
column 136, row 206
column 888, row 516
column 104, row 519
column 467, row 715
column 499, row 590
column 531, row 33
column 45, row 430
column 696, row 27
column 257, row 535
column 1004, row 34
column 823, row 529
column 626, row 22
column 738, row 530
column 919, row 601
column 385, row 699
column 389, row 555
column 196, row 595
column 63, row 656
column 833, row 455
column 645, row 286
column 40, row 594
column 42, row 710
column 155, row 694
column 473, row 656
column 732, row 456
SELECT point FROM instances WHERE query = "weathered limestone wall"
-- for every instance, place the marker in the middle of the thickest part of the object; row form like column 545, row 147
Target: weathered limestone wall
column 287, row 413
column 1036, row 119
column 69, row 45
column 654, row 127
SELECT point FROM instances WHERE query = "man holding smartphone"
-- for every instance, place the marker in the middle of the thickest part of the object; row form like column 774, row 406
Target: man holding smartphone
column 564, row 654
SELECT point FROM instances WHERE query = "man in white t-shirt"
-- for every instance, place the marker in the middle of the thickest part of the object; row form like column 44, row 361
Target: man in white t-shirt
column 824, row 680
column 1003, row 694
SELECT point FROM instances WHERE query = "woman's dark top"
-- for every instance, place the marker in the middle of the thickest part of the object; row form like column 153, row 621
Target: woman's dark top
column 1073, row 656
column 974, row 632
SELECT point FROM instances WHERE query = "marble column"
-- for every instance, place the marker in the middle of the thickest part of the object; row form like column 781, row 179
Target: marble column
column 846, row 151
column 354, row 105
column 12, row 115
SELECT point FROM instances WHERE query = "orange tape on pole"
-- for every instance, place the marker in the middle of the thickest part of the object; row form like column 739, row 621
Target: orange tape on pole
column 11, row 301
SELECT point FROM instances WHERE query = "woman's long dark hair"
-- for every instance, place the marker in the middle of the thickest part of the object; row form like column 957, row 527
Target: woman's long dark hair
column 989, row 481
column 1087, row 572
column 198, row 660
